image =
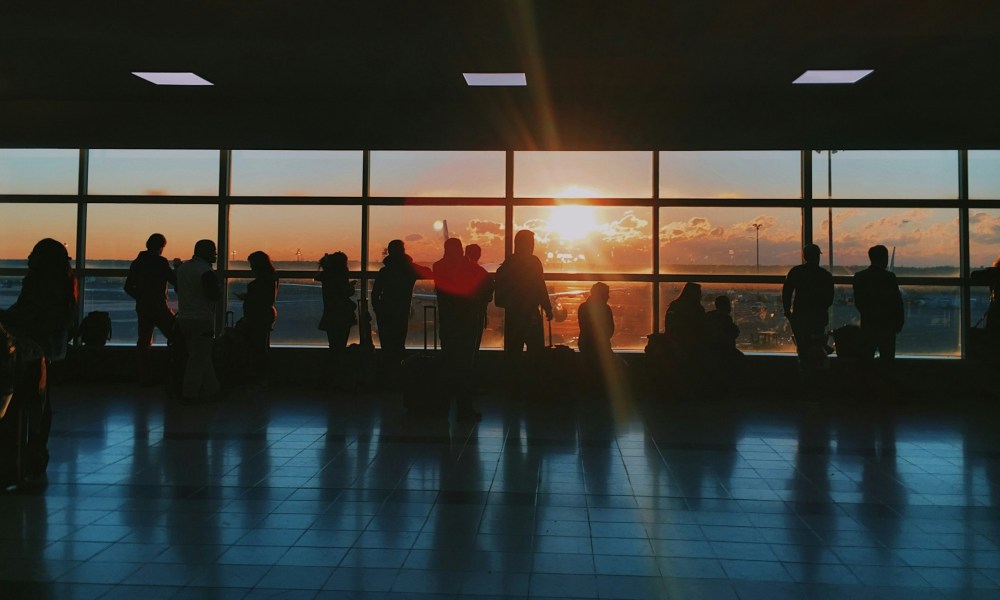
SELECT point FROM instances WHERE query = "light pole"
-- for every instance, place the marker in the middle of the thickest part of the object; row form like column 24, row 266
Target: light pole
column 757, row 227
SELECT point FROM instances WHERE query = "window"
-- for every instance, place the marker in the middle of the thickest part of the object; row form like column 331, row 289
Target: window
column 631, row 304
column 116, row 233
column 756, row 310
column 23, row 224
column 108, row 294
column 772, row 174
column 37, row 171
column 294, row 236
column 296, row 173
column 154, row 172
column 300, row 306
column 578, row 238
column 583, row 174
column 726, row 240
column 888, row 174
column 923, row 242
column 984, row 174
column 423, row 230
column 442, row 174
column 984, row 237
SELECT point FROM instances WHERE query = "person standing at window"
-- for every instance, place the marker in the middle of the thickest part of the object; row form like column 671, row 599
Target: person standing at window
column 392, row 295
column 339, row 309
column 877, row 298
column 147, row 280
column 806, row 297
column 259, row 312
column 198, row 291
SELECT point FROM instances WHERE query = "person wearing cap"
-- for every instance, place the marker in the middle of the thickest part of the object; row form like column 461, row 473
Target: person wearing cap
column 806, row 298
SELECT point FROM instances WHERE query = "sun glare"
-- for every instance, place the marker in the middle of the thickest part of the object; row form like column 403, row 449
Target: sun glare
column 572, row 223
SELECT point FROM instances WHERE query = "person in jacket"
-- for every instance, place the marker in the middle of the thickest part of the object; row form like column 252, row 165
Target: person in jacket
column 806, row 297
column 146, row 283
column 877, row 298
column 455, row 284
column 259, row 312
column 392, row 296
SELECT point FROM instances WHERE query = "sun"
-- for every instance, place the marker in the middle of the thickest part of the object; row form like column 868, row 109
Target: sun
column 572, row 223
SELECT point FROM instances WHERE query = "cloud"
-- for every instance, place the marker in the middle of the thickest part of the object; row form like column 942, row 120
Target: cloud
column 413, row 237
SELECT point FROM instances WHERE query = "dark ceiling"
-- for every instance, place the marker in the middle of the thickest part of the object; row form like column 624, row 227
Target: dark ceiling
column 674, row 74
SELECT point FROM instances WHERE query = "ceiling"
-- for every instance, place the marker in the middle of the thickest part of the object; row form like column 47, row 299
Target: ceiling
column 673, row 74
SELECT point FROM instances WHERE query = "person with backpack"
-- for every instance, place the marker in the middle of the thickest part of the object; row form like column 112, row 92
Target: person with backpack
column 146, row 283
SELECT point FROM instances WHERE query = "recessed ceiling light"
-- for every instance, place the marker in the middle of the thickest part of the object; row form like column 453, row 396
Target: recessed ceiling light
column 833, row 76
column 495, row 79
column 172, row 78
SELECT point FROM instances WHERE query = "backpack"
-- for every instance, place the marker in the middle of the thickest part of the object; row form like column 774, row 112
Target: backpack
column 95, row 329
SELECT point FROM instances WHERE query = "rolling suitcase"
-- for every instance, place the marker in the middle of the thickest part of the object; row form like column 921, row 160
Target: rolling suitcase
column 559, row 371
column 423, row 392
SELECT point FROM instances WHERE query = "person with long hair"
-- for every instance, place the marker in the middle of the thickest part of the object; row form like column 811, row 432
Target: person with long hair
column 259, row 312
column 339, row 310
column 45, row 310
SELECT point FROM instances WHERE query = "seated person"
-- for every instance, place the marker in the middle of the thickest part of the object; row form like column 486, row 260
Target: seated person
column 720, row 330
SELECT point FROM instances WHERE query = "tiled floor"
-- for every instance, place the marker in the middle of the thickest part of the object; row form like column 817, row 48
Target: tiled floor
column 294, row 494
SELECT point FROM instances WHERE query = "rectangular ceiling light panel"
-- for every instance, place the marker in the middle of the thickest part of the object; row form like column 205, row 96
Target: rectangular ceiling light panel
column 160, row 78
column 822, row 76
column 495, row 79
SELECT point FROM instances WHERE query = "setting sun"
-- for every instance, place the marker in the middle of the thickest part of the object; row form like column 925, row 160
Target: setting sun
column 572, row 222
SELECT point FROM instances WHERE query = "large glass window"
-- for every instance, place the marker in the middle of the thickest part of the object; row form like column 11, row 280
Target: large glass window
column 38, row 171
column 583, row 174
column 300, row 306
column 23, row 224
column 154, row 172
column 116, row 233
column 631, row 304
column 10, row 289
column 984, row 237
column 294, row 236
column 442, row 174
column 296, row 173
column 888, row 174
column 726, row 240
column 770, row 174
column 424, row 228
column 577, row 238
column 756, row 310
column 923, row 242
column 984, row 174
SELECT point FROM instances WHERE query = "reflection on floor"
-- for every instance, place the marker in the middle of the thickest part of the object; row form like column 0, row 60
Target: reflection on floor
column 298, row 494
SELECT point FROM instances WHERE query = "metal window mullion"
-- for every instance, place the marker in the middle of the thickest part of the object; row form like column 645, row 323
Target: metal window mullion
column 366, row 172
column 508, row 214
column 807, row 197
column 656, row 242
column 964, row 250
column 82, row 185
column 225, row 187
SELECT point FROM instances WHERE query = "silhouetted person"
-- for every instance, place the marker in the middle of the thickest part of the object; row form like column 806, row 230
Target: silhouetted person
column 483, row 288
column 455, row 283
column 197, row 293
column 392, row 296
column 597, row 326
column 684, row 321
column 806, row 297
column 147, row 280
column 45, row 310
column 339, row 309
column 991, row 277
column 877, row 298
column 720, row 343
column 23, row 388
column 259, row 312
column 520, row 291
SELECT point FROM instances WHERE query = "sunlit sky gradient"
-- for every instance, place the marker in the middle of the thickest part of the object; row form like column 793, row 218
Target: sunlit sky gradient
column 569, row 238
